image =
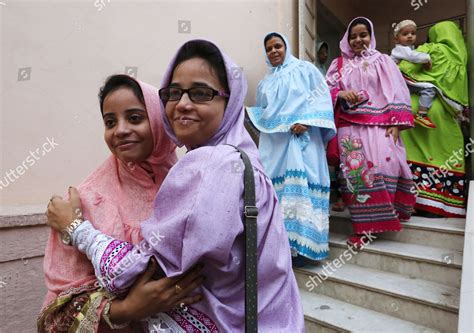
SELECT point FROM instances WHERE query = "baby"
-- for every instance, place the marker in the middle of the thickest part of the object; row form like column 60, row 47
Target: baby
column 405, row 38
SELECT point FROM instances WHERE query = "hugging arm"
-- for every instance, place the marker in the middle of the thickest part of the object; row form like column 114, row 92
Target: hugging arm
column 111, row 258
column 178, row 235
column 119, row 264
column 116, row 263
column 202, row 226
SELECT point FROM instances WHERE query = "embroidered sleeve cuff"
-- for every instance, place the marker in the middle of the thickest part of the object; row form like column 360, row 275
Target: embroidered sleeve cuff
column 78, row 235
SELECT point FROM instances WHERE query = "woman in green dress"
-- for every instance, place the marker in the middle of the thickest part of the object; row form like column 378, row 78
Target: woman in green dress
column 437, row 156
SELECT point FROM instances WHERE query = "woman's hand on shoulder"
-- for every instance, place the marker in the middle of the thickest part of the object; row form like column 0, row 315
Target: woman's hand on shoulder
column 349, row 95
column 148, row 296
column 298, row 129
column 62, row 212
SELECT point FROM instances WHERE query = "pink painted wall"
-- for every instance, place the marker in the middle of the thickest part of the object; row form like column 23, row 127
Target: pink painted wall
column 54, row 62
column 22, row 289
column 70, row 47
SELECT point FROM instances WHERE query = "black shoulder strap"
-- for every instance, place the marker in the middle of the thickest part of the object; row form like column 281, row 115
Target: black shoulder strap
column 250, row 229
column 251, row 129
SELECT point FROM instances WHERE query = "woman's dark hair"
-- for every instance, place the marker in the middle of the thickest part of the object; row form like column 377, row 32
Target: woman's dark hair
column 357, row 21
column 207, row 51
column 270, row 36
column 115, row 82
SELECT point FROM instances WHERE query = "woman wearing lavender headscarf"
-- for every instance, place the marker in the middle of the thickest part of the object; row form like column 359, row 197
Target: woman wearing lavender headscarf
column 198, row 210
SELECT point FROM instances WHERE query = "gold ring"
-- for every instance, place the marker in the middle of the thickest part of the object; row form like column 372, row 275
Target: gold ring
column 183, row 307
column 177, row 288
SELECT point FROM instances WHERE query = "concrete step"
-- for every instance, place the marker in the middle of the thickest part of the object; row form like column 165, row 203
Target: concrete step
column 412, row 260
column 326, row 314
column 446, row 233
column 419, row 301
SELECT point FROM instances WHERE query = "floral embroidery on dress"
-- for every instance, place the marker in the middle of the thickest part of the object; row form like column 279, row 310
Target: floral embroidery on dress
column 359, row 172
column 60, row 315
column 91, row 318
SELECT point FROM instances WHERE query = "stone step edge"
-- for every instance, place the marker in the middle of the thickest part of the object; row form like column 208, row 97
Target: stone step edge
column 383, row 291
column 374, row 249
column 340, row 327
column 411, row 224
column 325, row 324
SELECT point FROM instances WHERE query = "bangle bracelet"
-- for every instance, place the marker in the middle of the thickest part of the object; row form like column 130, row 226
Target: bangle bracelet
column 106, row 314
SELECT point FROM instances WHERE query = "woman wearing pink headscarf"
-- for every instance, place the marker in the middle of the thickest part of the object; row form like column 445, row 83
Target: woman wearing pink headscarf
column 377, row 185
column 116, row 196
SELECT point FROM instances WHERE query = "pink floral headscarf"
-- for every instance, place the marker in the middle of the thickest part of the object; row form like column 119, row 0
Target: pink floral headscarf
column 116, row 197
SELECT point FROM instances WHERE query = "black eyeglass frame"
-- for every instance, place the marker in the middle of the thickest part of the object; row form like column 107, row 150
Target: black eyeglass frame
column 162, row 93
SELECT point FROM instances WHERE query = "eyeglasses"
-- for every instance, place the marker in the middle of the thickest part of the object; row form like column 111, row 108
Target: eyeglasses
column 196, row 94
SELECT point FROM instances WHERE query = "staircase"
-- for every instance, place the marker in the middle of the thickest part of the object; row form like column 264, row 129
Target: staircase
column 402, row 282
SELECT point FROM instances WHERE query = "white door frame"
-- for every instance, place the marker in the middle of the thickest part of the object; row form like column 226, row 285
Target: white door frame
column 307, row 30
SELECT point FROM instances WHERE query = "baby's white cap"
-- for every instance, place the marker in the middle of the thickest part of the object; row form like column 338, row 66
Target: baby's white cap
column 401, row 25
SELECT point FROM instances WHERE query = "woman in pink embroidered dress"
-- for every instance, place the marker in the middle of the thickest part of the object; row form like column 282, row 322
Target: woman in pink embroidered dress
column 377, row 183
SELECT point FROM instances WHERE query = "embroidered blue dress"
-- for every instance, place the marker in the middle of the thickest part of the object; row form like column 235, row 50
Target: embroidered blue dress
column 295, row 92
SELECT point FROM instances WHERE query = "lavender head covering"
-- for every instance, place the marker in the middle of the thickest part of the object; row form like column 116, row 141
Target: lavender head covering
column 232, row 130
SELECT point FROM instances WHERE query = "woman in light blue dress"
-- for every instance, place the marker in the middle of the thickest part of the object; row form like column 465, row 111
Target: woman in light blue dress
column 295, row 117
